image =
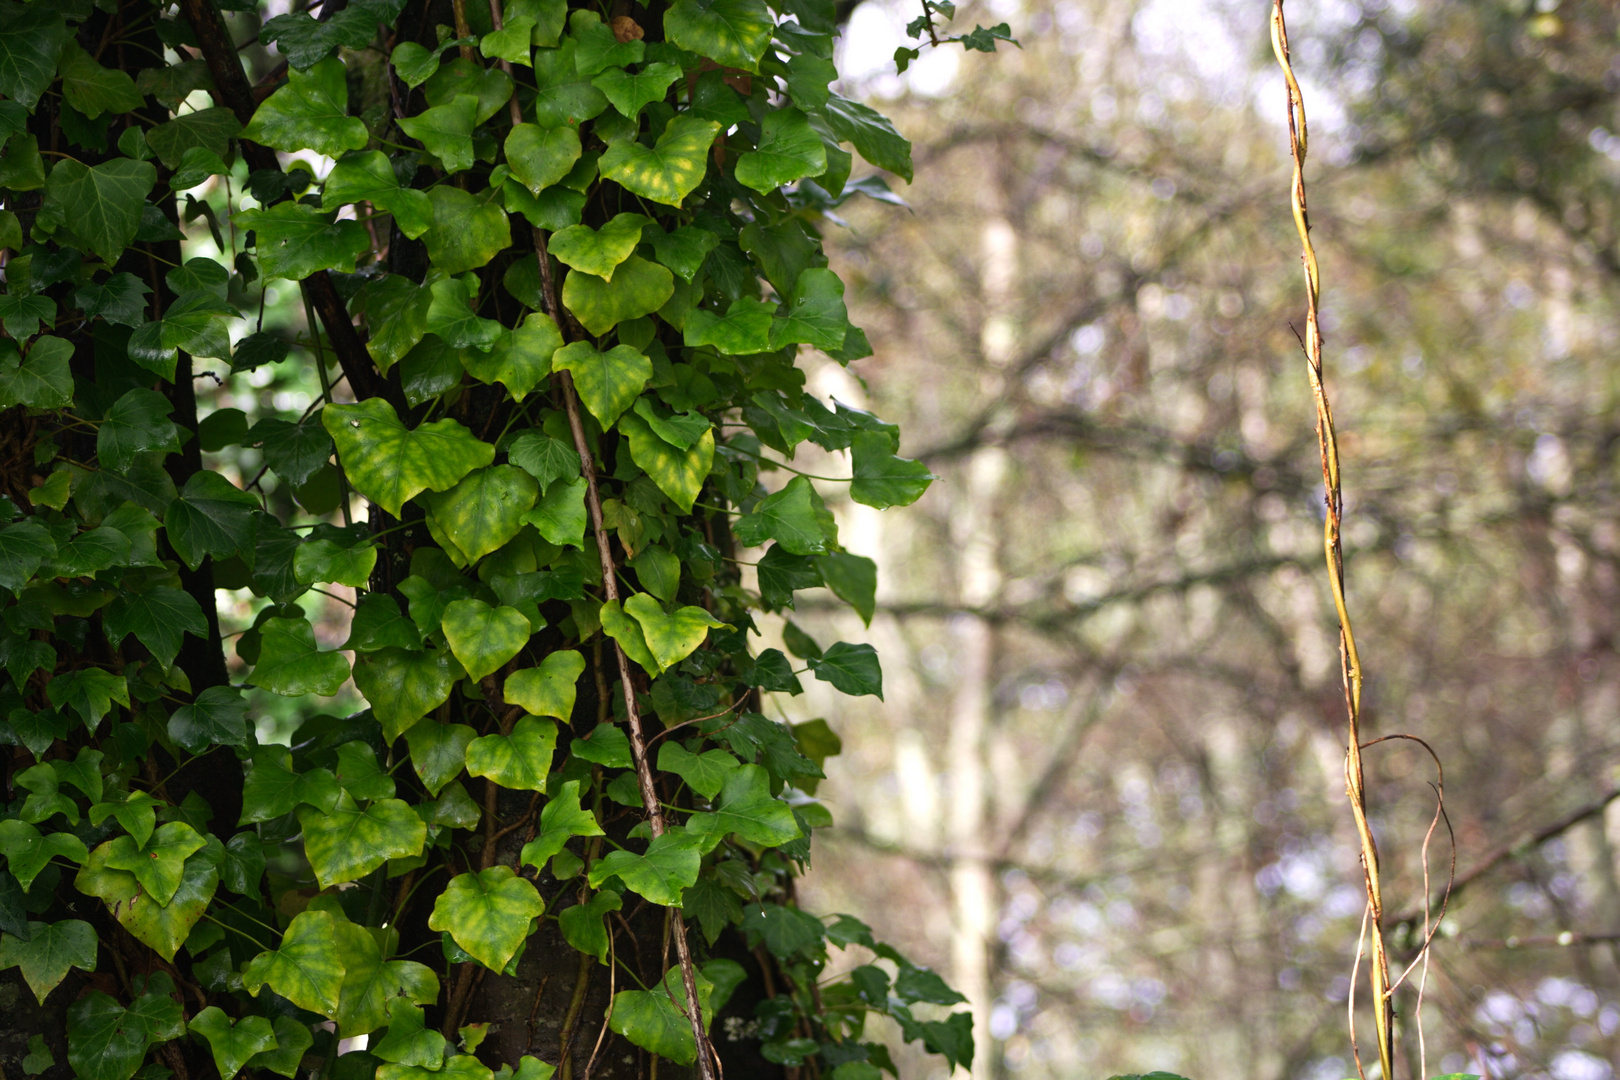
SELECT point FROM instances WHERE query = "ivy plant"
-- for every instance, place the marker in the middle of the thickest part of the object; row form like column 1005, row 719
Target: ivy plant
column 486, row 720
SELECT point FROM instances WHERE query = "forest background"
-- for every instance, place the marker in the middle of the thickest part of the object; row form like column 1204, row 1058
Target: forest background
column 1106, row 786
column 1103, row 795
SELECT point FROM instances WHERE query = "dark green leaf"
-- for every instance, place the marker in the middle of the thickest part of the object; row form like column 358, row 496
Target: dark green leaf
column 103, row 202
column 207, row 129
column 852, row 669
column 310, row 113
column 882, row 479
column 158, row 618
column 212, row 516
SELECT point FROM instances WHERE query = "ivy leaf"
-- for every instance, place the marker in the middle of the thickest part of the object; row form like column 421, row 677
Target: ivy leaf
column 638, row 288
column 103, row 202
column 409, row 1041
column 607, row 744
column 378, row 624
column 562, row 817
column 789, row 149
column 43, row 381
column 395, row 310
column 438, row 752
column 511, row 42
column 304, row 40
column 607, row 381
column 748, row 810
column 881, row 479
column 51, row 949
column 492, row 86
column 807, row 80
column 678, row 473
column 487, row 914
column 368, row 177
column 327, row 560
column 404, row 686
column 293, row 1040
column 22, row 315
column 232, row 1044
column 293, row 451
column 873, row 137
column 520, row 358
column 745, row 328
column 158, row 864
column 853, row 579
column 852, row 669
column 371, row 984
column 732, row 33
column 446, row 131
column 816, row 316
column 481, row 513
column 290, row 664
column 90, row 692
column 207, row 129
column 564, row 99
column 296, row 240
column 305, row 968
column 547, row 690
column 158, row 618
column 348, row 843
column 467, row 232
column 119, row 299
column 630, row 93
column 704, row 773
column 164, row 927
column 543, row 457
column 135, row 812
column 27, row 850
column 787, row 516
column 673, row 637
column 669, row 866
column 104, row 1041
column 541, row 157
column 685, row 249
column 389, row 463
column 310, row 113
column 627, row 632
column 659, row 1020
column 272, row 789
column 32, row 40
column 414, row 64
column 519, row 761
column 450, row 316
column 674, row 166
column 599, row 251
column 582, row 924
column 483, row 638
column 137, row 422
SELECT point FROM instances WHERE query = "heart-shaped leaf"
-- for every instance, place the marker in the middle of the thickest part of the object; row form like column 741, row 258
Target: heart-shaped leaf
column 371, row 984
column 405, row 686
column 599, row 251
column 669, row 866
column 670, row 637
column 747, row 809
column 547, row 690
column 232, row 1044
column 483, row 638
column 732, row 33
column 438, row 752
column 541, row 157
column 291, row 664
column 669, row 171
column 467, row 231
column 789, row 149
column 487, row 914
column 348, row 843
column 638, row 288
column 103, row 202
column 159, row 863
column 745, row 328
column 631, row 92
column 562, row 817
column 446, row 131
column 51, row 949
column 519, row 761
column 607, row 381
column 520, row 358
column 678, row 473
column 390, row 463
column 482, row 512
column 164, row 927
column 310, row 113
column 305, row 969
column 368, row 177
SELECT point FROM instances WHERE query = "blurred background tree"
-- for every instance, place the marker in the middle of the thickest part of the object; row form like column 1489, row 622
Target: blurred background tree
column 1106, row 791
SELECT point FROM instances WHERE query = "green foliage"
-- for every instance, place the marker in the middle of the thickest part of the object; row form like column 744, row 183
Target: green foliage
column 448, row 481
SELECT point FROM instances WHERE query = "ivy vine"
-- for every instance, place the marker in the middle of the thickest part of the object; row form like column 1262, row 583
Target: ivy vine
column 554, row 262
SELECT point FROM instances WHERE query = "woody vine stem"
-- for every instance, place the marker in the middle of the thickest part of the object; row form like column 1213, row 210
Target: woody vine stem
column 1327, row 442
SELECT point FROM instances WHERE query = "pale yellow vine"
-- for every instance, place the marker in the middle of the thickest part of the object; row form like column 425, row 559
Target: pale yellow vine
column 1327, row 441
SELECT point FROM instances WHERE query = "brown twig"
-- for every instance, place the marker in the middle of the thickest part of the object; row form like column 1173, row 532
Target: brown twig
column 610, row 586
